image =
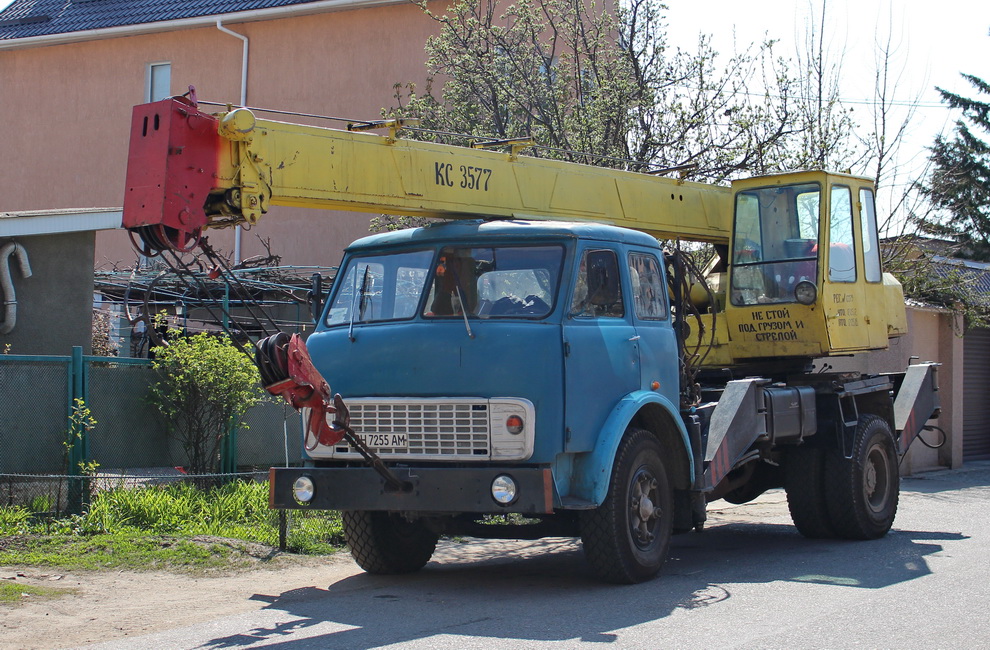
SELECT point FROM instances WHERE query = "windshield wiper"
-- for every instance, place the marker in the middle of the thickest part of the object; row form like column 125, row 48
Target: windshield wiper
column 460, row 298
column 354, row 297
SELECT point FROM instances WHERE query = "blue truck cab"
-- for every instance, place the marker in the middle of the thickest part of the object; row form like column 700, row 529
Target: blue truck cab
column 495, row 366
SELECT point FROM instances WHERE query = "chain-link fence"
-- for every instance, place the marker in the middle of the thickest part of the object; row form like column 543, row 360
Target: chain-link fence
column 128, row 437
column 51, row 468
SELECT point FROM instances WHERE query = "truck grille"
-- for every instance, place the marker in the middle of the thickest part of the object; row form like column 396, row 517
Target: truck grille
column 439, row 428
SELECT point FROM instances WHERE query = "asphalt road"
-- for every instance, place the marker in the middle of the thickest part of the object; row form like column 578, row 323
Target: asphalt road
column 748, row 581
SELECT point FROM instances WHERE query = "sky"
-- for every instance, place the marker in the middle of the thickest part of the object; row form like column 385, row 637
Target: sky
column 932, row 43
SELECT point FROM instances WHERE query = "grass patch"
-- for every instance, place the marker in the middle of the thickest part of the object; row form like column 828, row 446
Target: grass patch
column 131, row 551
column 176, row 526
column 15, row 592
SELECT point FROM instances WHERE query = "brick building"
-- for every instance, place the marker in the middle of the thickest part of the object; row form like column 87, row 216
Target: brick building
column 71, row 70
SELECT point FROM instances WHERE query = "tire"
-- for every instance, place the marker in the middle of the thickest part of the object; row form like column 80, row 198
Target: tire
column 863, row 490
column 804, row 483
column 626, row 539
column 385, row 543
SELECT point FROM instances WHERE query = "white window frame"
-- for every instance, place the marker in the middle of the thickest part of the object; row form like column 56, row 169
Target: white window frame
column 149, row 73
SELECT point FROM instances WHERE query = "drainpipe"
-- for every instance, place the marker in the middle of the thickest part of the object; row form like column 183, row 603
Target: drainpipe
column 244, row 81
column 7, row 286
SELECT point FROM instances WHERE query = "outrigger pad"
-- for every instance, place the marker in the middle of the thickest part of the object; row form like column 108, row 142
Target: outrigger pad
column 917, row 402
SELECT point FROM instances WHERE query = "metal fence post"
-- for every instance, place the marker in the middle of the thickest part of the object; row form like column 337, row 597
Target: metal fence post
column 228, row 449
column 78, row 492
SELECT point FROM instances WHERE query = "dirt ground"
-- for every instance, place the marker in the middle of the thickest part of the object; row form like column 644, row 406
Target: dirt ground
column 109, row 605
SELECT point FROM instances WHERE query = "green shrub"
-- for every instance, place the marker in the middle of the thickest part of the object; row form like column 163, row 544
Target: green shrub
column 205, row 383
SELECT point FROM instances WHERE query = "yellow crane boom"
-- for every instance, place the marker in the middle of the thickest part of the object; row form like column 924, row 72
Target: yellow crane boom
column 261, row 163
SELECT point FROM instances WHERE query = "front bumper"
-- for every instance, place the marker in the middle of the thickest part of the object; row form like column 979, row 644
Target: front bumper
column 435, row 490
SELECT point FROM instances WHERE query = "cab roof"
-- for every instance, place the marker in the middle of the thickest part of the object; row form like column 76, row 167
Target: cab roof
column 506, row 229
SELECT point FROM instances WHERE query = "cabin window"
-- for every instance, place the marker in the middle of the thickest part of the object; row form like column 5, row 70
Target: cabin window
column 496, row 282
column 379, row 287
column 647, row 287
column 871, row 245
column 775, row 245
column 842, row 242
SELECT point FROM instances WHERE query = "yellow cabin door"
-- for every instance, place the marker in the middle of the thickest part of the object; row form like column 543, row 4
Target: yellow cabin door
column 846, row 317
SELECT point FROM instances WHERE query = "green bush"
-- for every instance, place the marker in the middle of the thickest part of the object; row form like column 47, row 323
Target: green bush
column 205, row 383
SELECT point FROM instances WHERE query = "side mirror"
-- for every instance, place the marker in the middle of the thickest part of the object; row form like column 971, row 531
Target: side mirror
column 315, row 296
column 603, row 278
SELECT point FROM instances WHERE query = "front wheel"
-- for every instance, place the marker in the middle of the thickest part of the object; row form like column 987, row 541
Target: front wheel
column 863, row 490
column 626, row 539
column 386, row 543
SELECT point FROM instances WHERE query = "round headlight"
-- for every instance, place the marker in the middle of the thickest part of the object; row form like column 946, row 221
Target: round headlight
column 303, row 489
column 514, row 425
column 504, row 489
column 805, row 292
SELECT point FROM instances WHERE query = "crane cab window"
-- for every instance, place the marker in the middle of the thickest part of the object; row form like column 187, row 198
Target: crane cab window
column 842, row 242
column 775, row 243
column 871, row 247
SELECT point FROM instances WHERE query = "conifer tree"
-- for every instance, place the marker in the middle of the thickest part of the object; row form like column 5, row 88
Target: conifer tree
column 959, row 186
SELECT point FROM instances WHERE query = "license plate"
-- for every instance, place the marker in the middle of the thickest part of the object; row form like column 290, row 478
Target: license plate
column 385, row 440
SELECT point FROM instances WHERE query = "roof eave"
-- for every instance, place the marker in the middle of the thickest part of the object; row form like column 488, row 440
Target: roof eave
column 191, row 23
column 53, row 222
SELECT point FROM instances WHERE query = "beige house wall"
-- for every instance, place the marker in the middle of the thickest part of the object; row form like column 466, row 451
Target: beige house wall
column 65, row 109
column 931, row 337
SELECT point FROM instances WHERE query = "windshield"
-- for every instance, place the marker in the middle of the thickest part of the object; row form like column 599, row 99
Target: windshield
column 380, row 287
column 775, row 243
column 503, row 281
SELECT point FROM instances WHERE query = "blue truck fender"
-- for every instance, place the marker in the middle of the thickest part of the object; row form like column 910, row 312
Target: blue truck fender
column 592, row 471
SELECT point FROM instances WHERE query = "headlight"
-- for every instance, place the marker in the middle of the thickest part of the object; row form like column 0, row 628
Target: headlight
column 805, row 292
column 303, row 489
column 504, row 489
column 514, row 425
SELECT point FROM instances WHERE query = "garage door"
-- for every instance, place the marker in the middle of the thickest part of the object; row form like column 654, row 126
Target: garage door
column 976, row 395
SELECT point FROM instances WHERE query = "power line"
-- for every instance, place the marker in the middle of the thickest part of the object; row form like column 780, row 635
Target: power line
column 842, row 100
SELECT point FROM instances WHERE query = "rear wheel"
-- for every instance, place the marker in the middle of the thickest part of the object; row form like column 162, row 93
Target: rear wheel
column 863, row 490
column 804, row 482
column 386, row 543
column 626, row 539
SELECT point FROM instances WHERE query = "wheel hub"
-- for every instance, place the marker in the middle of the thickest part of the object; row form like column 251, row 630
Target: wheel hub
column 876, row 479
column 646, row 508
column 871, row 479
column 644, row 515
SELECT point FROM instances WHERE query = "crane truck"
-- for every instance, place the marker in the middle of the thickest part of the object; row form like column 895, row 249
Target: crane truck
column 537, row 364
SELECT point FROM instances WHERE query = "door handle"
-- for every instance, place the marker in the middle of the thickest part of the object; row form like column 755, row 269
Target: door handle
column 634, row 338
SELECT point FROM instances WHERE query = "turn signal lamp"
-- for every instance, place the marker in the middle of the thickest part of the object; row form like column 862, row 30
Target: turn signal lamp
column 514, row 425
